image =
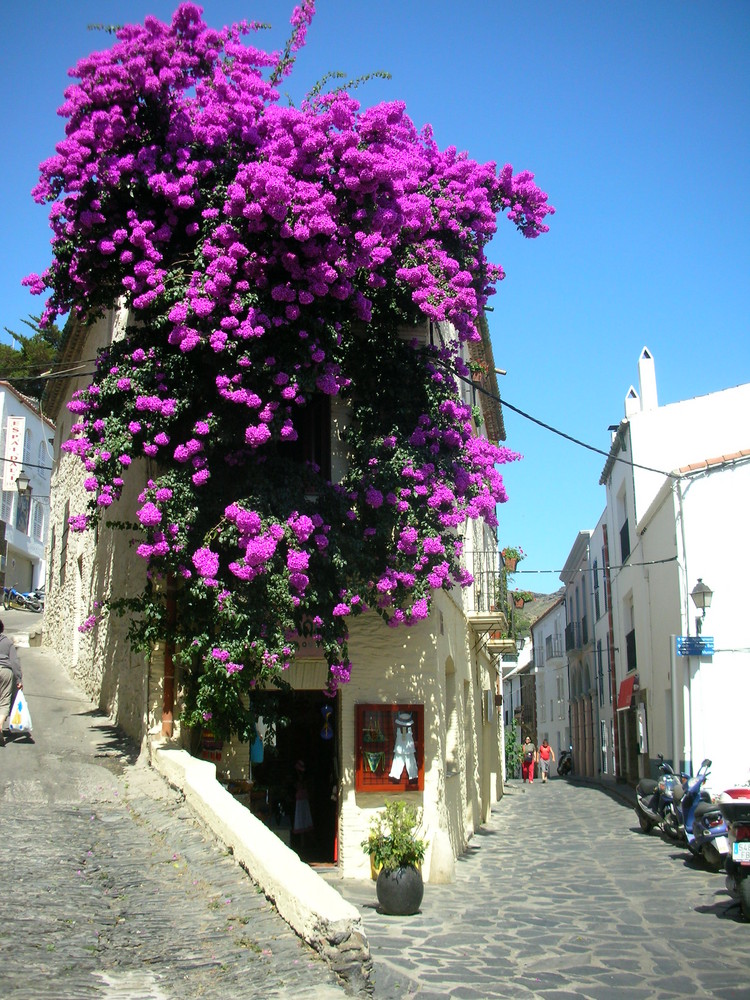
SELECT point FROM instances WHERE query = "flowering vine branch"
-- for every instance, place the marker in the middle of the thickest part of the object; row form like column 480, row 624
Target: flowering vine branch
column 269, row 257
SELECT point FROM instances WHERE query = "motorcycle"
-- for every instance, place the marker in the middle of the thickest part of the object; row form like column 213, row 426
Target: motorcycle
column 657, row 801
column 565, row 762
column 702, row 822
column 13, row 598
column 735, row 808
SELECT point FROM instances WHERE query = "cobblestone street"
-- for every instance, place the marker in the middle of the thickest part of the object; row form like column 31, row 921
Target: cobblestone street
column 561, row 896
column 115, row 891
column 112, row 889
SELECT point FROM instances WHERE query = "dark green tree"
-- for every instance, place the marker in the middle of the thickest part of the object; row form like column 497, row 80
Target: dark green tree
column 35, row 353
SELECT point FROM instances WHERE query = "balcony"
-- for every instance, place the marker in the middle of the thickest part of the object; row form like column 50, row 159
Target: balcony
column 487, row 603
column 577, row 634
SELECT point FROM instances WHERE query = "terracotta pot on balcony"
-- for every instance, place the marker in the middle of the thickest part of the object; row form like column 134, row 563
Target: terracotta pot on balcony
column 510, row 563
column 518, row 601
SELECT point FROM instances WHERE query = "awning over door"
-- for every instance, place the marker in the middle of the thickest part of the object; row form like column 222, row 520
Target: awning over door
column 625, row 694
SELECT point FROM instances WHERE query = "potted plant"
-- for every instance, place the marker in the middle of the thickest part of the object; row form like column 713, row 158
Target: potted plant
column 478, row 369
column 521, row 597
column 398, row 853
column 512, row 556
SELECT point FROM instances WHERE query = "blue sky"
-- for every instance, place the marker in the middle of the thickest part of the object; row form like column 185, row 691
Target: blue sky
column 635, row 118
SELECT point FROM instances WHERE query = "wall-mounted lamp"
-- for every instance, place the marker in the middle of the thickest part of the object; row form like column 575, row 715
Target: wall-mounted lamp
column 22, row 482
column 702, row 595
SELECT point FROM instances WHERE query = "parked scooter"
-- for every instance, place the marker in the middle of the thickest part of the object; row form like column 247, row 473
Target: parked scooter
column 657, row 802
column 565, row 762
column 735, row 808
column 702, row 821
column 13, row 598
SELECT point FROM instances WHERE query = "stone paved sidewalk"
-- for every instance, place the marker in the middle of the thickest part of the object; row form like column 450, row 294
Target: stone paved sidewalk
column 112, row 889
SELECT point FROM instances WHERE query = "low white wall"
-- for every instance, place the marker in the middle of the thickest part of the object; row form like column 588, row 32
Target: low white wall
column 313, row 908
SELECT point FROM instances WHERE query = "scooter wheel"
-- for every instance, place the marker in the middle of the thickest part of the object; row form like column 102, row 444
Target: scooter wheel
column 714, row 859
column 645, row 823
column 744, row 888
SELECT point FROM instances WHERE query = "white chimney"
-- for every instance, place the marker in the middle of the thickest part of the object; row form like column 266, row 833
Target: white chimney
column 647, row 380
column 632, row 403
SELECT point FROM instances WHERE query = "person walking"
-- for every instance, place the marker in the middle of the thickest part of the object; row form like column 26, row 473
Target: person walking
column 11, row 677
column 545, row 754
column 529, row 757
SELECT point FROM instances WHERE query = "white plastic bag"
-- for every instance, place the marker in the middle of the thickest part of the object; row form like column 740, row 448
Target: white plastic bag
column 20, row 717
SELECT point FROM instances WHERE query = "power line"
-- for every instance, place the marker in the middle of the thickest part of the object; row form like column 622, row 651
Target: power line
column 562, row 434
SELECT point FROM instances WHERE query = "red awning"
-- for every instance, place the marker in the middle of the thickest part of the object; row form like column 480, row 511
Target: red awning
column 625, row 694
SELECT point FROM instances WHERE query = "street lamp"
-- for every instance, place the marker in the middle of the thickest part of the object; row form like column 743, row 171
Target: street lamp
column 22, row 482
column 701, row 595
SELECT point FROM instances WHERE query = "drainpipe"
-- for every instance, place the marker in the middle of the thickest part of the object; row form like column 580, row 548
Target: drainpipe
column 611, row 650
column 167, row 712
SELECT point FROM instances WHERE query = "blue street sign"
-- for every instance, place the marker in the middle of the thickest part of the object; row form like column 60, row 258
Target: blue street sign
column 695, row 645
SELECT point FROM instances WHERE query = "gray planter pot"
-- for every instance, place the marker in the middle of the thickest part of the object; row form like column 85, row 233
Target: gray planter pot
column 400, row 891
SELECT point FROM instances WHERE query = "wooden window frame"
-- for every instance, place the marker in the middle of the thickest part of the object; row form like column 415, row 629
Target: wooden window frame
column 375, row 733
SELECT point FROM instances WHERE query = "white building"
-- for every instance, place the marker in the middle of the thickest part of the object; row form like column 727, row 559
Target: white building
column 603, row 653
column 552, row 695
column 579, row 650
column 678, row 487
column 26, row 438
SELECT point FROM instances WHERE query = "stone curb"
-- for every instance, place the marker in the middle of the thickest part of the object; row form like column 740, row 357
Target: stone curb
column 314, row 909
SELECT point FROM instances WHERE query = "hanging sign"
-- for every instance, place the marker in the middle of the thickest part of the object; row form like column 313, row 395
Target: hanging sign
column 694, row 645
column 14, row 435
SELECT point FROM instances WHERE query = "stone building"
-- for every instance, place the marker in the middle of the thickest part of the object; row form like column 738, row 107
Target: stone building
column 417, row 720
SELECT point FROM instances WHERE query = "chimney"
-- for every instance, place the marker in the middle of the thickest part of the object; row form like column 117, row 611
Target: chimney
column 632, row 403
column 647, row 380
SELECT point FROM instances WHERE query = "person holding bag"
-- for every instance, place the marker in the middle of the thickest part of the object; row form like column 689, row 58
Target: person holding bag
column 11, row 676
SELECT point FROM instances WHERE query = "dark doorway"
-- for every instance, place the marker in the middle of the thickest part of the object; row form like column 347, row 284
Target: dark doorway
column 303, row 766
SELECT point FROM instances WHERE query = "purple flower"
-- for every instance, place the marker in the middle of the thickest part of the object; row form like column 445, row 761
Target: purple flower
column 149, row 515
column 206, row 562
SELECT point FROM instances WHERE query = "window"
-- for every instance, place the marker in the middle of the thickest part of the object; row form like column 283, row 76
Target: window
column 625, row 541
column 597, row 609
column 603, row 748
column 312, row 423
column 604, row 582
column 27, row 447
column 630, row 650
column 37, row 524
column 7, row 506
column 23, row 509
column 600, row 670
column 64, row 542
column 389, row 742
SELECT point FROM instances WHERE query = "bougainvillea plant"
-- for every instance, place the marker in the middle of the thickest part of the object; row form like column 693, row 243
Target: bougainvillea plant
column 271, row 258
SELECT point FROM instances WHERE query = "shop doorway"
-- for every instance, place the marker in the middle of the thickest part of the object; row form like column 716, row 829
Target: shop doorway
column 299, row 775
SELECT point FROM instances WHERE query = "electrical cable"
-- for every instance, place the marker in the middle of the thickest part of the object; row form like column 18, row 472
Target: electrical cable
column 562, row 434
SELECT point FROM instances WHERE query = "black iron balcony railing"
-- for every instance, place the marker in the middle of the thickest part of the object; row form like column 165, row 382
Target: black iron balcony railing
column 490, row 589
column 577, row 634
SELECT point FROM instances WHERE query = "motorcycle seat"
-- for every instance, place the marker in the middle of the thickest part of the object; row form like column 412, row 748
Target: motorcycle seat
column 705, row 807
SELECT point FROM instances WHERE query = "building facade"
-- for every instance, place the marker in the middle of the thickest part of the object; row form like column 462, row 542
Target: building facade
column 579, row 650
column 551, row 665
column 676, row 482
column 418, row 719
column 26, row 438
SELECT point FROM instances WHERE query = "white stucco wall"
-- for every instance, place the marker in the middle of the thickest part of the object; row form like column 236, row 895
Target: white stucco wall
column 714, row 691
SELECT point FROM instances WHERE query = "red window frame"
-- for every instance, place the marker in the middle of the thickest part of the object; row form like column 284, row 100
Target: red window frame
column 374, row 739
